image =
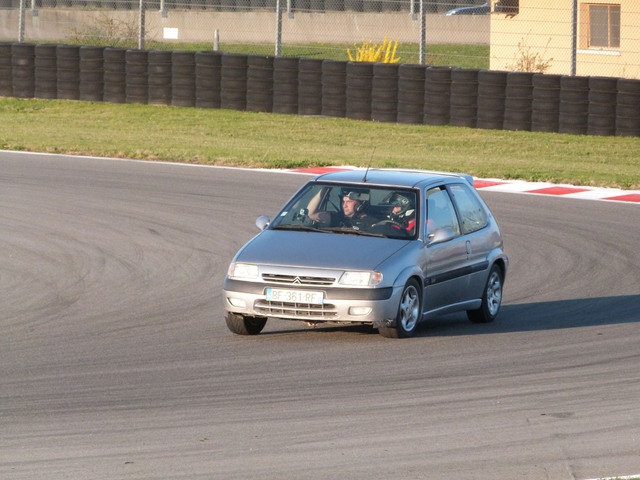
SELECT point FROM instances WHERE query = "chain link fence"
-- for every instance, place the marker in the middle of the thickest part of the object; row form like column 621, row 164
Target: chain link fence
column 301, row 28
column 569, row 37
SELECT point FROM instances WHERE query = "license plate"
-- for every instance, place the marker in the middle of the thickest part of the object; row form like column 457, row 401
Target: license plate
column 294, row 296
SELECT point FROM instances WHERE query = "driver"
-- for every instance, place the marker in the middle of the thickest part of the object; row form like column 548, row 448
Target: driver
column 354, row 214
column 354, row 211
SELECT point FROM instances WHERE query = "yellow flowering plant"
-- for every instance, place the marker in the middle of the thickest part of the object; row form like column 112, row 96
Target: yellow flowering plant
column 372, row 52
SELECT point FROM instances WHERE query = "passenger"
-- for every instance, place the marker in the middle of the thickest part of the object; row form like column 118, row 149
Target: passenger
column 402, row 211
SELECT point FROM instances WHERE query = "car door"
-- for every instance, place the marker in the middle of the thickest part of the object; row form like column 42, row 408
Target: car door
column 445, row 260
column 478, row 239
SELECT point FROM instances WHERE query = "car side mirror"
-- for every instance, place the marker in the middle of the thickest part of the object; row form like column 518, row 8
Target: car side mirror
column 263, row 222
column 440, row 236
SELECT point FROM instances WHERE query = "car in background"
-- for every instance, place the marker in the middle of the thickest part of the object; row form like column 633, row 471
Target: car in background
column 388, row 248
column 483, row 9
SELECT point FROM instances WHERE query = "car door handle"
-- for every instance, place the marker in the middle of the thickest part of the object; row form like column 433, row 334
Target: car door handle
column 468, row 247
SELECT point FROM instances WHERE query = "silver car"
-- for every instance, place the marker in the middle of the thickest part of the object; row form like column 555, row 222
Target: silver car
column 382, row 247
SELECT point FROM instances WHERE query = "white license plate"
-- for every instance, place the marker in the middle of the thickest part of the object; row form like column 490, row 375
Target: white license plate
column 294, row 296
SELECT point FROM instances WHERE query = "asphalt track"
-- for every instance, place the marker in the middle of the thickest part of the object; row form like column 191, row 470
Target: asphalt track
column 115, row 362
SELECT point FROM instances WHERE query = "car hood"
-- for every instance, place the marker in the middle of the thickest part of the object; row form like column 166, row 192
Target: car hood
column 319, row 250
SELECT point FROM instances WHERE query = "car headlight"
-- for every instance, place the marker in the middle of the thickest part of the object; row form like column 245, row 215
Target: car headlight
column 361, row 279
column 246, row 271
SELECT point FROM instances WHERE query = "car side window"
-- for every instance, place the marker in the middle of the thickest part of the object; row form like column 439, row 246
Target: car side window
column 440, row 211
column 473, row 216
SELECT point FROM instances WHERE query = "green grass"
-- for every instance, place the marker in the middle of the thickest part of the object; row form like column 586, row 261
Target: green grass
column 455, row 55
column 463, row 56
column 227, row 137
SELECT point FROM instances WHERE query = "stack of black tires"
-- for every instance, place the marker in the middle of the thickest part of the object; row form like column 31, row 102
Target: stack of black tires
column 393, row 93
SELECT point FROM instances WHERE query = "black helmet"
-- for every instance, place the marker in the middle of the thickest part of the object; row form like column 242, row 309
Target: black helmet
column 353, row 194
column 360, row 196
column 406, row 209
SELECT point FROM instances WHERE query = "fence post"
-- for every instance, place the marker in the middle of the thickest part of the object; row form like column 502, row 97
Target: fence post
column 23, row 7
column 278, row 28
column 141, row 29
column 423, row 32
column 574, row 35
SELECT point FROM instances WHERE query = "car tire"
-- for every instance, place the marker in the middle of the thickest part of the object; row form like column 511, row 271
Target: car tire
column 491, row 298
column 409, row 313
column 241, row 325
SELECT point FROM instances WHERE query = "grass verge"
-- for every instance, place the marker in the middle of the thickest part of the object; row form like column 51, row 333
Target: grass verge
column 445, row 54
column 235, row 138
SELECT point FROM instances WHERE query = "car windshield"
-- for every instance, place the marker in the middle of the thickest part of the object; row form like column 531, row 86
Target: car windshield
column 358, row 209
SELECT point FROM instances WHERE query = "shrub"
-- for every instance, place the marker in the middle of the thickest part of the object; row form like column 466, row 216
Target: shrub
column 372, row 52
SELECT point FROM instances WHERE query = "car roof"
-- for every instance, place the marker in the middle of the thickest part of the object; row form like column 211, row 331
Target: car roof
column 392, row 177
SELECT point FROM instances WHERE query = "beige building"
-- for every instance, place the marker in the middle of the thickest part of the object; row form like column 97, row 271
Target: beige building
column 538, row 35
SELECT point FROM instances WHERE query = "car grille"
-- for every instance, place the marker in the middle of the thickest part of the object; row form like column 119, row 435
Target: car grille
column 297, row 280
column 298, row 311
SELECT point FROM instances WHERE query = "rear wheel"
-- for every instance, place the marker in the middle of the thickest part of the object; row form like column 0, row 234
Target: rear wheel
column 241, row 325
column 409, row 313
column 491, row 298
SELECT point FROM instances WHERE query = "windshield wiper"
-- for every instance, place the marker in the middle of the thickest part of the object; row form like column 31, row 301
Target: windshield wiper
column 302, row 228
column 352, row 231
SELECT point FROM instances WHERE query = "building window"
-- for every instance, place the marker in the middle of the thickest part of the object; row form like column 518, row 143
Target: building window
column 510, row 7
column 601, row 26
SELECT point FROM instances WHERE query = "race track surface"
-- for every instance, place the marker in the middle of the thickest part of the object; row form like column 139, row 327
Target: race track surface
column 115, row 362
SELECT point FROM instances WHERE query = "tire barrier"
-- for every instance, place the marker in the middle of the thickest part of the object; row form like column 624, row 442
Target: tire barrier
column 372, row 5
column 309, row 86
column 437, row 96
column 411, row 79
column 518, row 103
column 354, row 5
column 259, row 84
column 574, row 105
column 68, row 68
column 334, row 88
column 45, row 71
column 545, row 104
column 159, row 77
column 601, row 119
column 208, row 65
column 384, row 92
column 91, row 74
column 401, row 93
column 334, row 5
column 233, row 81
column 628, row 108
column 136, row 79
column 492, row 86
column 183, row 78
column 464, row 97
column 313, row 6
column 243, row 5
column 23, row 70
column 285, row 85
column 318, row 6
column 114, row 75
column 359, row 84
column 6, row 75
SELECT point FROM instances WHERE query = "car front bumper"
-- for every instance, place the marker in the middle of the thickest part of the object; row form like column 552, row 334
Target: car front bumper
column 375, row 306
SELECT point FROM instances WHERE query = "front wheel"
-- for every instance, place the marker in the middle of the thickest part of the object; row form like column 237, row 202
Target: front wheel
column 491, row 298
column 409, row 313
column 241, row 325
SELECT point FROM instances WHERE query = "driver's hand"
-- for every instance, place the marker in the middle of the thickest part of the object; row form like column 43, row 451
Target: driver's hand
column 323, row 218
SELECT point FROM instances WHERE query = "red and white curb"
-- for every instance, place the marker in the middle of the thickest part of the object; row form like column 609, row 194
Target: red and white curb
column 533, row 188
